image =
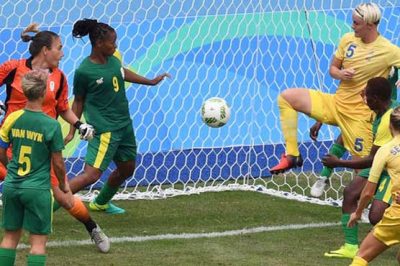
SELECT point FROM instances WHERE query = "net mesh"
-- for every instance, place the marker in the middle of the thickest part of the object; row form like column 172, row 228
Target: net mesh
column 245, row 53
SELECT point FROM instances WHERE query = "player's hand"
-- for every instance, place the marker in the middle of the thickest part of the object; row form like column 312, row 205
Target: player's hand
column 68, row 138
column 347, row 74
column 330, row 160
column 86, row 131
column 314, row 130
column 159, row 78
column 398, row 84
column 397, row 198
column 354, row 218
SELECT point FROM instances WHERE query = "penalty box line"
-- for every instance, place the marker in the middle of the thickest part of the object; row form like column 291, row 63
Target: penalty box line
column 244, row 231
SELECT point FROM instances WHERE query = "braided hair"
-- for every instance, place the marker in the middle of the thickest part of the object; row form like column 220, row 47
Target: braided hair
column 95, row 30
column 380, row 88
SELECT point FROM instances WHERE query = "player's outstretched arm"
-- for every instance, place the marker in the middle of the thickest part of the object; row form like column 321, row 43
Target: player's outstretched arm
column 356, row 163
column 132, row 77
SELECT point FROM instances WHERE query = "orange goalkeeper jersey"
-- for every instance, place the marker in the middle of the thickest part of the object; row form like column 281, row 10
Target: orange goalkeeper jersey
column 56, row 98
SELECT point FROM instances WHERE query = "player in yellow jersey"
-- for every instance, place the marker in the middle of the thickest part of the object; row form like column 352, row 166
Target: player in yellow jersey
column 387, row 232
column 337, row 149
column 359, row 57
column 377, row 95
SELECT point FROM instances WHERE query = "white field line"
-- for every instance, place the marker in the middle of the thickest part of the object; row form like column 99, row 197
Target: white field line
column 244, row 231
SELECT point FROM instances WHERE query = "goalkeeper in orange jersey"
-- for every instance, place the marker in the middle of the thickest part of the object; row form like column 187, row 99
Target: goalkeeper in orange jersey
column 46, row 52
column 37, row 142
column 99, row 90
column 359, row 57
column 387, row 232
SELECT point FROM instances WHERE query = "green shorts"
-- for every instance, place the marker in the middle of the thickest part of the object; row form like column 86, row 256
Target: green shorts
column 383, row 190
column 27, row 208
column 119, row 146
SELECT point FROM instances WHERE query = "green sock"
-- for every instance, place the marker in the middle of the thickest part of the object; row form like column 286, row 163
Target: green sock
column 7, row 256
column 350, row 233
column 56, row 206
column 106, row 194
column 337, row 150
column 36, row 260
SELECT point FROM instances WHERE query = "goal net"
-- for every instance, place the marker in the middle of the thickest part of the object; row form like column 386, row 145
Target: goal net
column 246, row 52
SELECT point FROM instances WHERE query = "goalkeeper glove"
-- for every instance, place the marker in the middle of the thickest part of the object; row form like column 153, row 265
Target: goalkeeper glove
column 3, row 109
column 86, row 131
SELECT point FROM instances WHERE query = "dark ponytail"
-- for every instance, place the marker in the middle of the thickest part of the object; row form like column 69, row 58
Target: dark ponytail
column 95, row 30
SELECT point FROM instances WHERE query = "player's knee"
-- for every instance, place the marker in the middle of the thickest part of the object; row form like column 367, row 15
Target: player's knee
column 128, row 174
column 90, row 173
column 130, row 170
column 285, row 96
column 349, row 194
column 89, row 177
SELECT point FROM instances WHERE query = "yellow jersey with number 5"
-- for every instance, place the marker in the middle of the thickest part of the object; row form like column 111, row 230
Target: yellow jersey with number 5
column 368, row 60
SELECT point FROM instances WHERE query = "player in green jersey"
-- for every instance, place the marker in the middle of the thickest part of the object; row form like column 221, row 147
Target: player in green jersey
column 36, row 141
column 387, row 232
column 99, row 89
column 377, row 96
column 338, row 149
column 45, row 48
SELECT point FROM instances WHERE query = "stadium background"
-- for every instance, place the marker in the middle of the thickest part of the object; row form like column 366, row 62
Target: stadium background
column 246, row 53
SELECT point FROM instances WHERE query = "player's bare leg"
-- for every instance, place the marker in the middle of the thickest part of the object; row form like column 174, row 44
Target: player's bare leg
column 78, row 210
column 8, row 247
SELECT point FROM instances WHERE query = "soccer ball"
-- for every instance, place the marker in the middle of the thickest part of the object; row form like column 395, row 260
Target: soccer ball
column 215, row 112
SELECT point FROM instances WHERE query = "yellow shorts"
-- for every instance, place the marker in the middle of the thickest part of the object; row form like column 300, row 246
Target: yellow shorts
column 388, row 229
column 356, row 132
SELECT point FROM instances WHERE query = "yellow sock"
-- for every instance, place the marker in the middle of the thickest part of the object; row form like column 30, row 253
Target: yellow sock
column 288, row 118
column 79, row 210
column 358, row 261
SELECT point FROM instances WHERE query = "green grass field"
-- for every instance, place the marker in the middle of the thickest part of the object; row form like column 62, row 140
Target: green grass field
column 202, row 214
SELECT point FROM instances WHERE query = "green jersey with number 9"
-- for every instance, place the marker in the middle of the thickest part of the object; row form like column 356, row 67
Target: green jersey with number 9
column 103, row 88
